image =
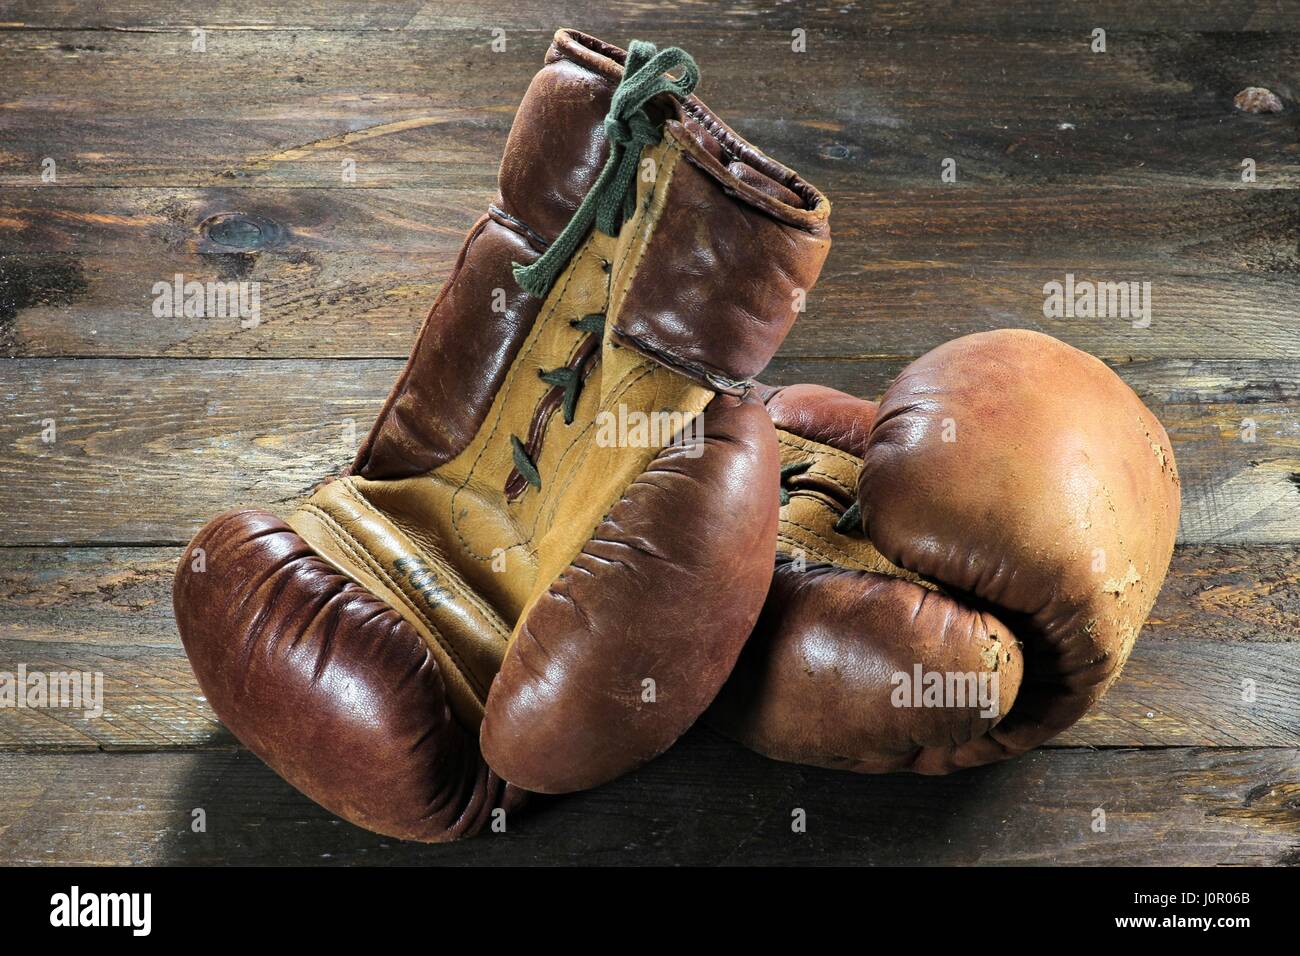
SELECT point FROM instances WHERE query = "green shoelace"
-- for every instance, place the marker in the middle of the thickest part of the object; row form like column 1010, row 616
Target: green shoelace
column 610, row 201
column 628, row 129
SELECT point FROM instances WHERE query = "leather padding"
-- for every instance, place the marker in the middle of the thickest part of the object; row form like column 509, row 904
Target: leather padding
column 814, row 683
column 461, row 357
column 822, row 414
column 667, row 589
column 1008, row 484
column 1017, row 469
column 328, row 684
column 718, row 301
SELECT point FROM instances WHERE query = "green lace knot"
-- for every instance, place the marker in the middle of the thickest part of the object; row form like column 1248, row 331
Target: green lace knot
column 788, row 472
column 569, row 379
column 629, row 129
column 851, row 521
column 523, row 464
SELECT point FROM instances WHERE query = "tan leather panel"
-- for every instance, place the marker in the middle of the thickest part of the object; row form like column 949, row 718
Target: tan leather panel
column 448, row 549
column 634, row 237
column 627, row 381
column 608, row 471
column 818, row 497
column 477, row 523
column 466, row 525
column 465, row 635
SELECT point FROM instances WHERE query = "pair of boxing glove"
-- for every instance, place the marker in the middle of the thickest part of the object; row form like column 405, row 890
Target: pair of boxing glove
column 560, row 535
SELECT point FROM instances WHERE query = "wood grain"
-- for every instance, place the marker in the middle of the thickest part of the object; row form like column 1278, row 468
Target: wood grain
column 145, row 451
column 351, row 272
column 1226, row 616
column 96, row 598
column 704, row 802
column 283, row 107
column 1122, row 166
column 981, row 16
column 1171, row 694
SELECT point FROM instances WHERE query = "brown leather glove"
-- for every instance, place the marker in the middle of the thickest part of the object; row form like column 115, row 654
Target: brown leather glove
column 513, row 546
column 1003, row 519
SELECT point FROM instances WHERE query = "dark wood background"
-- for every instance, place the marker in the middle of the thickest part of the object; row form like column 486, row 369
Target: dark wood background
column 1116, row 166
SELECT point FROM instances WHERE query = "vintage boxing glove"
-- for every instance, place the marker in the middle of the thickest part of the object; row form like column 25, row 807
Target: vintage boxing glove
column 525, row 560
column 963, row 569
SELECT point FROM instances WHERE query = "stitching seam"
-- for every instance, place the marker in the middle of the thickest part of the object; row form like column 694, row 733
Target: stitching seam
column 366, row 559
column 556, row 298
column 821, row 537
column 468, row 596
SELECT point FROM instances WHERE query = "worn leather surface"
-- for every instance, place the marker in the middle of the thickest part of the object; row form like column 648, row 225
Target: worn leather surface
column 814, row 683
column 750, row 311
column 1013, row 490
column 663, row 591
column 459, row 359
column 328, row 684
column 756, row 210
column 355, row 646
column 720, row 222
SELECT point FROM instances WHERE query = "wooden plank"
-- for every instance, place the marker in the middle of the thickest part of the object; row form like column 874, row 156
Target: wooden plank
column 1226, row 616
column 1229, row 594
column 147, row 450
column 351, row 273
column 120, row 598
column 856, row 110
column 91, row 598
column 618, row 17
column 149, row 699
column 1121, row 166
column 101, row 480
column 705, row 802
column 1188, row 693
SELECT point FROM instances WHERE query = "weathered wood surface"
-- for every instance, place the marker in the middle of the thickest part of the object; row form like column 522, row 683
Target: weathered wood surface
column 121, row 597
column 147, row 450
column 860, row 106
column 668, row 16
column 706, row 801
column 351, row 272
column 1227, row 616
column 1172, row 694
column 1116, row 166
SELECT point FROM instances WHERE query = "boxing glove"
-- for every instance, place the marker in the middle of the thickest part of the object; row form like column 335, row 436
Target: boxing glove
column 515, row 584
column 962, row 569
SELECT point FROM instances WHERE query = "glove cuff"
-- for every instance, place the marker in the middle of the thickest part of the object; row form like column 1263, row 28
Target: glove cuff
column 739, row 241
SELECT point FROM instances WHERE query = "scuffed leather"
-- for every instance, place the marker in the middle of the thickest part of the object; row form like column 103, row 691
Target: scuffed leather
column 459, row 359
column 749, row 311
column 1057, row 466
column 813, row 683
column 328, row 684
column 353, row 646
column 694, row 532
column 823, row 415
column 1049, row 520
column 716, row 303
